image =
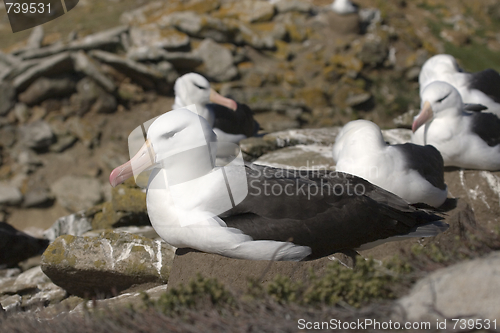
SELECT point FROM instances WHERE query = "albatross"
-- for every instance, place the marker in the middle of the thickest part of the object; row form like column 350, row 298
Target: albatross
column 413, row 172
column 343, row 7
column 254, row 212
column 231, row 121
column 464, row 139
column 475, row 88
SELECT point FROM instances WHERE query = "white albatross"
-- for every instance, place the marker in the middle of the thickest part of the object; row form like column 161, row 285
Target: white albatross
column 413, row 172
column 231, row 121
column 475, row 88
column 343, row 7
column 286, row 214
column 464, row 139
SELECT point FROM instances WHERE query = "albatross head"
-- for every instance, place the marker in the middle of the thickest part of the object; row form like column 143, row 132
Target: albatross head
column 193, row 88
column 439, row 99
column 437, row 68
column 358, row 134
column 179, row 141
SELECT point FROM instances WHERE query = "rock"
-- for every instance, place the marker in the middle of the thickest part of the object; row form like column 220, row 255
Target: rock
column 146, row 231
column 369, row 18
column 406, row 119
column 8, row 136
column 87, row 66
column 38, row 197
column 36, row 135
column 374, row 50
column 77, row 193
column 128, row 199
column 234, row 273
column 255, row 147
column 45, row 88
column 466, row 290
column 16, row 246
column 125, row 300
column 218, row 61
column 108, row 264
column 10, row 195
column 397, row 136
column 57, row 64
column 199, row 26
column 284, row 6
column 35, row 39
column 145, row 75
column 153, row 36
column 7, row 96
column 110, row 218
column 299, row 156
column 90, row 97
column 274, row 121
column 62, row 143
column 21, row 112
column 259, row 36
column 247, row 11
column 319, row 136
column 74, row 224
column 180, row 60
column 30, row 279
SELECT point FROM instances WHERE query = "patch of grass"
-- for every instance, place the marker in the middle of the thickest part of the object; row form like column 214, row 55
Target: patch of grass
column 474, row 57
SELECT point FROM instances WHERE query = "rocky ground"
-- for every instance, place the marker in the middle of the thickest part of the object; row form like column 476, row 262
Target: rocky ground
column 70, row 98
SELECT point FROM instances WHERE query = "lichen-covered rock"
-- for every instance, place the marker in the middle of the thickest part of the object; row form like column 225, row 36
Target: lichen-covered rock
column 128, row 199
column 247, row 11
column 106, row 264
column 466, row 290
column 75, row 224
column 218, row 60
column 77, row 193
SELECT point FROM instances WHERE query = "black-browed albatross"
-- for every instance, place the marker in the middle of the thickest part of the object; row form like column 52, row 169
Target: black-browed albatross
column 286, row 215
column 464, row 139
column 475, row 88
column 413, row 172
column 231, row 121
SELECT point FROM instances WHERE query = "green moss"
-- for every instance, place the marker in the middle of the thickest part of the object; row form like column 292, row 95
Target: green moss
column 474, row 57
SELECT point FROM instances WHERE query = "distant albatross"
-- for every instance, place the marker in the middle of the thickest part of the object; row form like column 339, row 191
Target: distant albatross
column 231, row 121
column 286, row 215
column 464, row 139
column 474, row 88
column 413, row 172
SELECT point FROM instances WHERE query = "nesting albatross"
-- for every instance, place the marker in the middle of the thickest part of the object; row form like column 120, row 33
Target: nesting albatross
column 464, row 139
column 475, row 88
column 413, row 172
column 231, row 121
column 278, row 214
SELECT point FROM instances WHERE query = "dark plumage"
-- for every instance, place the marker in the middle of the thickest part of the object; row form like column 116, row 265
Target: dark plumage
column 239, row 121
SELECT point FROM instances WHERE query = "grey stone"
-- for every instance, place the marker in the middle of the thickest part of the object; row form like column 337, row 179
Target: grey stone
column 249, row 11
column 74, row 224
column 22, row 112
column 36, row 135
column 57, row 64
column 48, row 293
column 468, row 290
column 88, row 133
column 35, row 39
column 16, row 246
column 87, row 66
column 180, row 60
column 77, row 193
column 8, row 136
column 106, row 264
column 31, row 279
column 62, row 143
column 355, row 100
column 10, row 195
column 152, row 35
column 45, row 88
column 406, row 119
column 146, row 231
column 90, row 97
column 320, row 136
column 218, row 60
column 397, row 135
column 10, row 303
column 300, row 156
column 37, row 197
column 374, row 50
column 145, row 75
column 284, row 6
column 255, row 147
column 7, row 98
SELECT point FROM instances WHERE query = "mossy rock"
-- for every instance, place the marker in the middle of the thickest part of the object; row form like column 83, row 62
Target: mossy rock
column 128, row 199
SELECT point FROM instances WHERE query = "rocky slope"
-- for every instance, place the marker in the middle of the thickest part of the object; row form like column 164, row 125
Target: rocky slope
column 69, row 103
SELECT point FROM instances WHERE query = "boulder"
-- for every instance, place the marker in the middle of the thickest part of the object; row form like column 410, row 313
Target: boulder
column 7, row 96
column 153, row 36
column 218, row 60
column 106, row 264
column 77, row 193
column 45, row 88
column 470, row 290
column 8, row 136
column 284, row 6
column 16, row 246
column 75, row 224
column 299, row 156
column 247, row 11
column 10, row 195
column 90, row 97
column 36, row 135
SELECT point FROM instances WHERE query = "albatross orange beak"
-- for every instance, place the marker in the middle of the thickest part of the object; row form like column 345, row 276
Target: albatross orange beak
column 144, row 158
column 423, row 117
column 217, row 98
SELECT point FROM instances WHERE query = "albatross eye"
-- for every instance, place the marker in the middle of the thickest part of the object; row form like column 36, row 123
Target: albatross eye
column 200, row 87
column 442, row 99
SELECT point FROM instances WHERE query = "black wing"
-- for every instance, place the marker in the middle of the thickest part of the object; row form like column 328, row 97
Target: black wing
column 427, row 160
column 325, row 221
column 487, row 126
column 235, row 122
column 487, row 81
